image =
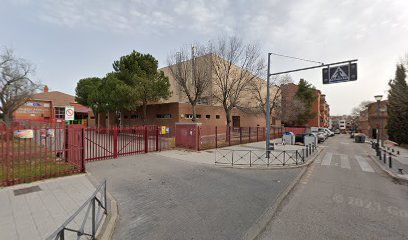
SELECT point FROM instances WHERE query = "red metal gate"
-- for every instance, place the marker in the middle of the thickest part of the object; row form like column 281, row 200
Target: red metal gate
column 111, row 143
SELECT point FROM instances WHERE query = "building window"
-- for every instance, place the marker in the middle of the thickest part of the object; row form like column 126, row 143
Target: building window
column 125, row 117
column 92, row 117
column 217, row 116
column 163, row 116
column 198, row 115
column 60, row 112
column 208, row 116
column 135, row 116
column 188, row 116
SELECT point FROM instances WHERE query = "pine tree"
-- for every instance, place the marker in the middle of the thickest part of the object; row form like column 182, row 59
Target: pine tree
column 397, row 108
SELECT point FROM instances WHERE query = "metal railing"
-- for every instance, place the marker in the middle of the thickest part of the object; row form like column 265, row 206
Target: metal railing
column 86, row 220
column 388, row 157
column 235, row 157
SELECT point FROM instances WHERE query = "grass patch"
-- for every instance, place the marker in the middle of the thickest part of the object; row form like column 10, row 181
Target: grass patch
column 29, row 171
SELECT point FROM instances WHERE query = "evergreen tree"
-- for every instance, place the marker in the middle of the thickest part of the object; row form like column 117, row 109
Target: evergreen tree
column 306, row 95
column 397, row 108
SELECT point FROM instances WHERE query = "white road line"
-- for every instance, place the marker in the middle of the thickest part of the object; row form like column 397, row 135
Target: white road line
column 364, row 164
column 327, row 159
column 345, row 163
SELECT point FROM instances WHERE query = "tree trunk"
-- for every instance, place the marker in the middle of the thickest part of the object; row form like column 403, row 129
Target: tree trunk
column 144, row 112
column 8, row 118
column 193, row 106
column 228, row 117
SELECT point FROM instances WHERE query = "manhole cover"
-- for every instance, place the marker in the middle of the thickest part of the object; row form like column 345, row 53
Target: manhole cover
column 26, row 190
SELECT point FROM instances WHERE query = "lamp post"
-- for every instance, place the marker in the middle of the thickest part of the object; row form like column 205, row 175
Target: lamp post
column 378, row 99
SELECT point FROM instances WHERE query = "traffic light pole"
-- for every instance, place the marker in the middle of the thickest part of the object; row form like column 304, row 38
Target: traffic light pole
column 268, row 94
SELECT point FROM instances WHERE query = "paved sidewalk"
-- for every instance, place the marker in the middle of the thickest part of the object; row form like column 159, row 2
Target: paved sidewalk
column 37, row 214
column 208, row 156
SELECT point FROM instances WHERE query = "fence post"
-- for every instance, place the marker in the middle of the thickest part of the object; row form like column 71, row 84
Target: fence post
column 216, row 137
column 93, row 218
column 303, row 155
column 157, row 138
column 257, row 134
column 115, row 142
column 229, row 135
column 83, row 150
column 198, row 138
column 240, row 135
column 296, row 157
column 146, row 138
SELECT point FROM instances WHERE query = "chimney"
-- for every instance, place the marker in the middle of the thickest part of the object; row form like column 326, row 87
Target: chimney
column 45, row 88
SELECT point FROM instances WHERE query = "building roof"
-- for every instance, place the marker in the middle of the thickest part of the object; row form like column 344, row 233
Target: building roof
column 58, row 99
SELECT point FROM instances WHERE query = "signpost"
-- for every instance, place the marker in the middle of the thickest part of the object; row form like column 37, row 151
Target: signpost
column 334, row 73
column 69, row 113
column 342, row 73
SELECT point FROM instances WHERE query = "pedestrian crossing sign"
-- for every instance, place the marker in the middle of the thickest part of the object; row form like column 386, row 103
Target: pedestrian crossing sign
column 343, row 73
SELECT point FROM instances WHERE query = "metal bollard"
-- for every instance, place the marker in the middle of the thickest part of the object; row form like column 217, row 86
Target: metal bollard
column 379, row 156
column 307, row 152
column 390, row 162
column 310, row 149
column 385, row 154
column 385, row 160
column 398, row 152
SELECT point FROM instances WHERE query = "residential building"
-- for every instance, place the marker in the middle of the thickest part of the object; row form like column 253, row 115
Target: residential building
column 370, row 123
column 320, row 107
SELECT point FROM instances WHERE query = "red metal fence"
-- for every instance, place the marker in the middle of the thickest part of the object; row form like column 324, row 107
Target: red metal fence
column 28, row 155
column 215, row 137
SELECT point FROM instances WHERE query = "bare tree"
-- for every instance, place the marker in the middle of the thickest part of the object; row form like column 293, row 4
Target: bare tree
column 15, row 83
column 258, row 89
column 235, row 65
column 355, row 113
column 193, row 75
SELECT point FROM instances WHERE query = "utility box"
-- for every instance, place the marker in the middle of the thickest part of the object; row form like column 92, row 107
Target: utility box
column 289, row 138
column 310, row 138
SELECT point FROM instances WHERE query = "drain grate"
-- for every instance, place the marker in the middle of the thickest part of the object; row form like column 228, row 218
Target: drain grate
column 26, row 190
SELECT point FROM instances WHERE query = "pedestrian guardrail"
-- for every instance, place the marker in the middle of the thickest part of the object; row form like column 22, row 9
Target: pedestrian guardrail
column 86, row 220
column 387, row 156
column 252, row 158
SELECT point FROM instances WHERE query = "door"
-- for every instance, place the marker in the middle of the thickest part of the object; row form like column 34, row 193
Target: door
column 236, row 121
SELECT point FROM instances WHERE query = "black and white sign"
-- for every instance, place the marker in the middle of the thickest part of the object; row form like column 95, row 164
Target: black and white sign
column 343, row 73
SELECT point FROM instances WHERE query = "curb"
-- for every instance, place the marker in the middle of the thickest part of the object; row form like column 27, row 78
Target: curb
column 109, row 225
column 256, row 229
column 390, row 174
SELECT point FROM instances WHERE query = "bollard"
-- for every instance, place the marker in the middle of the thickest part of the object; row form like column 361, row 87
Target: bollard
column 307, row 152
column 398, row 152
column 310, row 149
column 390, row 162
column 303, row 155
column 385, row 154
column 379, row 156
column 385, row 160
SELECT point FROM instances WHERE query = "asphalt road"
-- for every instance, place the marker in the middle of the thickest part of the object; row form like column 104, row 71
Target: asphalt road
column 343, row 196
column 163, row 198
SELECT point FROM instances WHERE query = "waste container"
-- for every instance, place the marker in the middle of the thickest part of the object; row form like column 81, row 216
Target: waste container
column 359, row 138
column 310, row 138
column 289, row 138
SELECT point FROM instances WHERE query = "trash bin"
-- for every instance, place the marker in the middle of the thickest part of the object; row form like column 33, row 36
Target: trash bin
column 289, row 138
column 310, row 138
column 359, row 138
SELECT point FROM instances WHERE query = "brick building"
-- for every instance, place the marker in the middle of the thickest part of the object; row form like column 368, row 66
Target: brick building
column 178, row 109
column 320, row 107
column 370, row 122
column 50, row 107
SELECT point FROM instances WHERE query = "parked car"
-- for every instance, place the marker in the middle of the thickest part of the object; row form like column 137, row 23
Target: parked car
column 321, row 137
column 337, row 131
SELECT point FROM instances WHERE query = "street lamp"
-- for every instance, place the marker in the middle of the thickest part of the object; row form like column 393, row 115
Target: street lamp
column 378, row 99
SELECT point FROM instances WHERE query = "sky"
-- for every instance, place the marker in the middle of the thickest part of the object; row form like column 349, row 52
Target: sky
column 74, row 39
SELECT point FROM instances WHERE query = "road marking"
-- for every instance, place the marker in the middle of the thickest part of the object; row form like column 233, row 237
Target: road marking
column 369, row 205
column 345, row 163
column 327, row 159
column 364, row 164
